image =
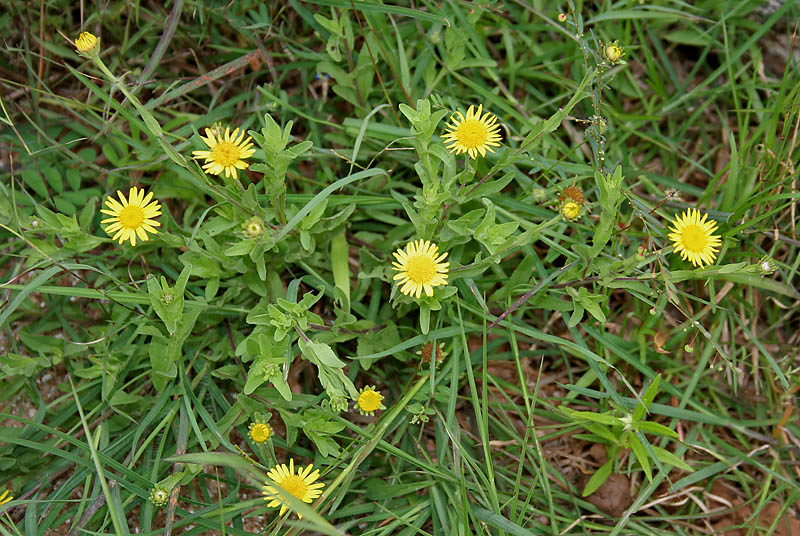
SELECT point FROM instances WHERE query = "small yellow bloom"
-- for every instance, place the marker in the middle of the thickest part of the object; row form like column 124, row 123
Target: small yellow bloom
column 570, row 210
column 692, row 237
column 300, row 485
column 226, row 152
column 5, row 497
column 86, row 43
column 260, row 432
column 369, row 400
column 613, row 52
column 473, row 134
column 131, row 217
column 420, row 268
column 562, row 17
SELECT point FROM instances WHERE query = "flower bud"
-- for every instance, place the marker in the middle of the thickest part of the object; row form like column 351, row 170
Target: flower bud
column 87, row 43
column 613, row 52
column 570, row 210
column 159, row 496
column 254, row 227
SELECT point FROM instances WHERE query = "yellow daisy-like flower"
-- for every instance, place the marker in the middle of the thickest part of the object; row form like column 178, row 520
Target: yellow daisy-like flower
column 420, row 268
column 227, row 152
column 5, row 497
column 259, row 432
column 86, row 42
column 369, row 400
column 131, row 217
column 692, row 237
column 473, row 134
column 300, row 485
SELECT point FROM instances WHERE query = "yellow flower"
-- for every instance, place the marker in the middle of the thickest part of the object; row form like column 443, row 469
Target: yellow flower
column 472, row 134
column 420, row 268
column 570, row 210
column 369, row 400
column 693, row 238
column 260, row 432
column 226, row 153
column 86, row 42
column 300, row 485
column 133, row 217
column 5, row 497
column 613, row 52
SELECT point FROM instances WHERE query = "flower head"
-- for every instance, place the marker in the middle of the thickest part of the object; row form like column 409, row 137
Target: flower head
column 270, row 369
column 369, row 400
column 300, row 485
column 5, row 497
column 573, row 193
column 570, row 210
column 254, row 227
column 562, row 17
column 159, row 495
column 131, row 217
column 613, row 52
column 420, row 268
column 473, row 134
column 338, row 403
column 426, row 353
column 767, row 266
column 86, row 43
column 260, row 432
column 226, row 152
column 692, row 237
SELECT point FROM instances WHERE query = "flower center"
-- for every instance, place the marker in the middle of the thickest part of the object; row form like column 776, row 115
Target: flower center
column 295, row 486
column 369, row 400
column 225, row 153
column 420, row 269
column 131, row 217
column 694, row 238
column 472, row 133
column 260, row 432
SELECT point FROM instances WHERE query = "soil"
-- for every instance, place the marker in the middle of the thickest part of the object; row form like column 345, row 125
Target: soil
column 613, row 497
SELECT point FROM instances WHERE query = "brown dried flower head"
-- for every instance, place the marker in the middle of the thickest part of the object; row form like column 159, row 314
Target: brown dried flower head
column 572, row 193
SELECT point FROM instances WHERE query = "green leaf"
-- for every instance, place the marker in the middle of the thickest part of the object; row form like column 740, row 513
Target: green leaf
column 243, row 247
column 609, row 188
column 665, row 456
column 641, row 455
column 16, row 365
column 602, row 418
column 655, row 428
column 32, row 178
column 602, row 432
column 320, row 353
column 647, row 399
column 598, row 478
column 168, row 302
column 340, row 253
